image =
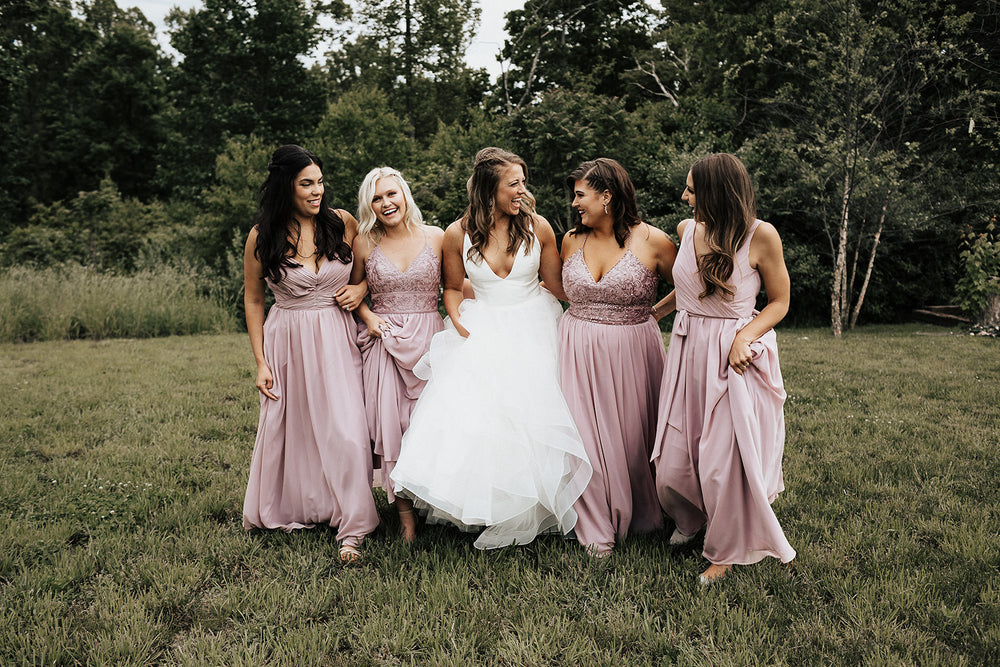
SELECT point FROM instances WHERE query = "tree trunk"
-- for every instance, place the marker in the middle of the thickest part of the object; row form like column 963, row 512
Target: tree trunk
column 837, row 305
column 871, row 261
column 409, row 70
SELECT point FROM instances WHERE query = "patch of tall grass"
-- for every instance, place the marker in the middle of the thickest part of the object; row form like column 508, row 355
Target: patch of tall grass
column 70, row 301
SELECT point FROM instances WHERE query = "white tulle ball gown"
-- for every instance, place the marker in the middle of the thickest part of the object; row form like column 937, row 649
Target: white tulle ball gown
column 491, row 441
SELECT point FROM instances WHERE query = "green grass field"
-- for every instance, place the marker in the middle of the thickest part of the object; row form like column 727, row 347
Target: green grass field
column 122, row 472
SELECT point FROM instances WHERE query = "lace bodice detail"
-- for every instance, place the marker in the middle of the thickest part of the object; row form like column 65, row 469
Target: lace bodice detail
column 302, row 289
column 689, row 284
column 623, row 295
column 520, row 284
column 414, row 290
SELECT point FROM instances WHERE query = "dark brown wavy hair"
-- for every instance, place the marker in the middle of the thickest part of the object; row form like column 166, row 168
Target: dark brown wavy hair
column 276, row 216
column 724, row 201
column 477, row 220
column 606, row 174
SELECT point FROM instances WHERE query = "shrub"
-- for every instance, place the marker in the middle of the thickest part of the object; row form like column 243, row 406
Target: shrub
column 978, row 288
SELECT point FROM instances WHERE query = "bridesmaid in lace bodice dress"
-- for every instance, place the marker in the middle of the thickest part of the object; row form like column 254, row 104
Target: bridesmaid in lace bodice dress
column 401, row 259
column 611, row 352
column 311, row 460
column 721, row 430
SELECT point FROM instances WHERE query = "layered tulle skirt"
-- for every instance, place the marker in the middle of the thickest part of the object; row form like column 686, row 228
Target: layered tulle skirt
column 491, row 441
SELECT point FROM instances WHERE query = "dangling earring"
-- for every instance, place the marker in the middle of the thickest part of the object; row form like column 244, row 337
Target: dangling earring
column 605, row 208
column 491, row 202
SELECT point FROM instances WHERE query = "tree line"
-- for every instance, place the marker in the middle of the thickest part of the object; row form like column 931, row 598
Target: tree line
column 870, row 127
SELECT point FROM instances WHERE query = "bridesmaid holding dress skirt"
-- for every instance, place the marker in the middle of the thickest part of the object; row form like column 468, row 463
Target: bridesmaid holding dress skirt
column 611, row 351
column 721, row 429
column 401, row 259
column 311, row 461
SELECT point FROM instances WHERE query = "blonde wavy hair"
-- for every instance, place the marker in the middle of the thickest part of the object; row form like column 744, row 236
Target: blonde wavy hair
column 724, row 201
column 368, row 224
column 477, row 220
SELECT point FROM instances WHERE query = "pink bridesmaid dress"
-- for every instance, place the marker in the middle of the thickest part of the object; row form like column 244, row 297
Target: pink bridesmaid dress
column 407, row 301
column 720, row 435
column 312, row 460
column 610, row 366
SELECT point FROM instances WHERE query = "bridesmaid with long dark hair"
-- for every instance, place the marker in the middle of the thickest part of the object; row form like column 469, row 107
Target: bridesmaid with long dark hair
column 611, row 352
column 721, row 429
column 311, row 460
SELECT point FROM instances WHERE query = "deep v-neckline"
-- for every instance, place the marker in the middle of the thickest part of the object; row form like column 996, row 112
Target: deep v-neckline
column 409, row 266
column 512, row 264
column 583, row 258
column 597, row 281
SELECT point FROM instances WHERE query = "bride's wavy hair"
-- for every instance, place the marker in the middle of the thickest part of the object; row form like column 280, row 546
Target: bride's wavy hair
column 607, row 174
column 276, row 216
column 477, row 220
column 368, row 224
column 725, row 202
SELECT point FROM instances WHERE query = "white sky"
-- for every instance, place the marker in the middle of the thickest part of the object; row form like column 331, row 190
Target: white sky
column 482, row 53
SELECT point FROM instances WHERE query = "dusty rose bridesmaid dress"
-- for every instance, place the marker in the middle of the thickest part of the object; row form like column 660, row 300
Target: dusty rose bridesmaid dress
column 720, row 435
column 312, row 459
column 610, row 365
column 407, row 301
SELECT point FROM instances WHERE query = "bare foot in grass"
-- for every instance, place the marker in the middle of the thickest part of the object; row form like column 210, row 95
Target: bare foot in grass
column 714, row 573
column 407, row 520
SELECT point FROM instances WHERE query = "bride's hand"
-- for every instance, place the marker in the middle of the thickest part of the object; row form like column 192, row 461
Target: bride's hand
column 462, row 331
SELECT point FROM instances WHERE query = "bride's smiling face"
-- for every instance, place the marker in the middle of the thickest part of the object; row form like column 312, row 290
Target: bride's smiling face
column 510, row 191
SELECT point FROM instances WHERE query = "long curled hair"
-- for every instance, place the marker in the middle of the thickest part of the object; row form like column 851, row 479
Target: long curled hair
column 477, row 221
column 368, row 223
column 277, row 228
column 724, row 201
column 607, row 174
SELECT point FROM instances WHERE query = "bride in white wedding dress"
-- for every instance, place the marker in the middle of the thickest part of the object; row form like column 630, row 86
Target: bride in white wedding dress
column 491, row 441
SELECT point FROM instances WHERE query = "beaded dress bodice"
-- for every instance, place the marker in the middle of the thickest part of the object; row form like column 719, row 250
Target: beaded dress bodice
column 623, row 295
column 414, row 290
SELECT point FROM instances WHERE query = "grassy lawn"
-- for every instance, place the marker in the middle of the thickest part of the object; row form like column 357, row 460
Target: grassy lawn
column 122, row 472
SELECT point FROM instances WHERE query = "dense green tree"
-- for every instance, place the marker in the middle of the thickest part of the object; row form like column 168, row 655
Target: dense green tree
column 242, row 73
column 413, row 51
column 582, row 45
column 122, row 81
column 358, row 132
column 40, row 40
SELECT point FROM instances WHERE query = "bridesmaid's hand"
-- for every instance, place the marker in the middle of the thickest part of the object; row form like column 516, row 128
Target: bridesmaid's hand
column 265, row 381
column 376, row 326
column 740, row 356
column 349, row 297
column 462, row 331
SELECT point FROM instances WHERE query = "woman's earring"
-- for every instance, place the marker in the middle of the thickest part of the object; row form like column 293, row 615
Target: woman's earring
column 491, row 202
column 605, row 207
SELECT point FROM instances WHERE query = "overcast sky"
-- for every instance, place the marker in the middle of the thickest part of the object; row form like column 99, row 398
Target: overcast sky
column 482, row 53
